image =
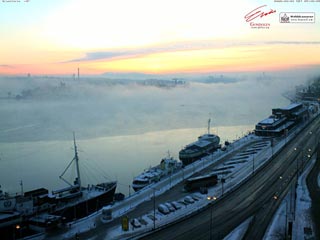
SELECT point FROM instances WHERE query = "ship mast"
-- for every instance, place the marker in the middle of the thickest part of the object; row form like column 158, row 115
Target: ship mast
column 209, row 125
column 77, row 160
column 77, row 182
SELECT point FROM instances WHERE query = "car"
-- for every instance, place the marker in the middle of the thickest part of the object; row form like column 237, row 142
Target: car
column 196, row 197
column 176, row 205
column 188, row 199
column 163, row 209
column 142, row 221
column 153, row 218
column 183, row 203
column 135, row 223
column 170, row 206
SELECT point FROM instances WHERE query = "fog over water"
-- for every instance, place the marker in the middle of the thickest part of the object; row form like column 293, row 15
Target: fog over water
column 121, row 129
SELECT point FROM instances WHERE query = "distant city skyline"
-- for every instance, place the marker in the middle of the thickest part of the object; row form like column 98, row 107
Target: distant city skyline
column 154, row 37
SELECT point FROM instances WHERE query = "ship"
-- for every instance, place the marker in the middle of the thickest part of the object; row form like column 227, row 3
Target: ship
column 40, row 210
column 206, row 144
column 167, row 166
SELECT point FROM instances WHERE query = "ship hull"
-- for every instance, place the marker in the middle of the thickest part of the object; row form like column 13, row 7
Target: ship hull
column 188, row 158
column 84, row 208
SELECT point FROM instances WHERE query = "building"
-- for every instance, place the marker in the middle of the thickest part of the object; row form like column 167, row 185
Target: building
column 282, row 120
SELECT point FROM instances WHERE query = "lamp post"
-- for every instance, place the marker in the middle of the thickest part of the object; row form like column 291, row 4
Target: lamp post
column 272, row 144
column 295, row 149
column 16, row 231
column 154, row 209
column 211, row 198
column 286, row 134
column 252, row 164
column 275, row 197
column 182, row 173
column 308, row 155
column 223, row 180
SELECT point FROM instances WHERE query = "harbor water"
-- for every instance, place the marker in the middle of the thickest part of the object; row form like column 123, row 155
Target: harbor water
column 120, row 130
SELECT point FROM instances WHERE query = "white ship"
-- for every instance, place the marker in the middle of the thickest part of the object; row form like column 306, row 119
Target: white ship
column 168, row 165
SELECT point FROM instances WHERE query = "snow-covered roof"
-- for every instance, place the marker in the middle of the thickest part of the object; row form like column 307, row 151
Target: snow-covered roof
column 268, row 121
column 200, row 143
column 149, row 174
column 291, row 106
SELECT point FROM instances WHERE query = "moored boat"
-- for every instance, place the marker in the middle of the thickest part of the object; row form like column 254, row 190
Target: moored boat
column 167, row 166
column 207, row 143
column 40, row 210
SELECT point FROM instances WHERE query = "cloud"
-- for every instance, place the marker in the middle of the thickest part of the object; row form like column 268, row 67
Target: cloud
column 179, row 46
column 6, row 66
column 169, row 47
column 294, row 42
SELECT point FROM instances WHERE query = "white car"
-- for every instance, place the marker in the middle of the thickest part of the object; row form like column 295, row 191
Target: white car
column 188, row 199
column 176, row 205
column 170, row 207
column 163, row 209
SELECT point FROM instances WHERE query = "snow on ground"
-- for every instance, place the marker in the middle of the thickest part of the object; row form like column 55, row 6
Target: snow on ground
column 240, row 172
column 239, row 232
column 121, row 208
column 276, row 229
column 161, row 220
column 301, row 216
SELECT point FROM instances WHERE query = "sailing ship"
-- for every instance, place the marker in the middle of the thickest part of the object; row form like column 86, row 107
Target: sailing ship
column 40, row 210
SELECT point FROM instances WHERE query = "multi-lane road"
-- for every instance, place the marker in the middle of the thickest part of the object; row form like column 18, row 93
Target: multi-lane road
column 259, row 196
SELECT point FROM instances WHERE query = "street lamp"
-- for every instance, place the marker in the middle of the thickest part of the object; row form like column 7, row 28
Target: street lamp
column 272, row 144
column 308, row 157
column 154, row 209
column 275, row 197
column 295, row 149
column 252, row 164
column 286, row 134
column 211, row 198
column 182, row 173
column 223, row 180
column 16, row 230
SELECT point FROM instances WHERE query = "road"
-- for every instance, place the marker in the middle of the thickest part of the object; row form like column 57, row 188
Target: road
column 314, row 189
column 257, row 193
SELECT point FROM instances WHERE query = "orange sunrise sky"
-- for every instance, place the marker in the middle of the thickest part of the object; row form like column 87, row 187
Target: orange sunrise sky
column 158, row 37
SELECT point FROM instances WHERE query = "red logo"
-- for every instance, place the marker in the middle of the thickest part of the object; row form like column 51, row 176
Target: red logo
column 258, row 13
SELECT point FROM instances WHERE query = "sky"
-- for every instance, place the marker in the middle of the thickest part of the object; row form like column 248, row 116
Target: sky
column 152, row 36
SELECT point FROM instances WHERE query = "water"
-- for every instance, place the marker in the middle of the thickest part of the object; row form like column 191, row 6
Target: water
column 120, row 130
